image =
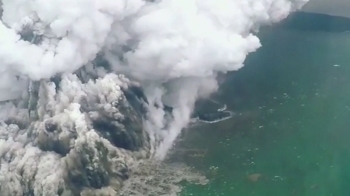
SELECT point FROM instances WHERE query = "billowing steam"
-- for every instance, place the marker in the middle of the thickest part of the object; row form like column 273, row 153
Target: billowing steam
column 68, row 114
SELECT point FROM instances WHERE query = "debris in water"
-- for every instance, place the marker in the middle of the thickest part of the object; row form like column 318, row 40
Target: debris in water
column 254, row 177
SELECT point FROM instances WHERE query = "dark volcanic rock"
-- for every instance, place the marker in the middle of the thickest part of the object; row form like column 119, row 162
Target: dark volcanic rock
column 85, row 173
column 213, row 116
column 122, row 124
column 205, row 110
column 50, row 126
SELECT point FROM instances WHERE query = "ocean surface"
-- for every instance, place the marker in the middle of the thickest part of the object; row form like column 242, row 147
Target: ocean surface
column 290, row 132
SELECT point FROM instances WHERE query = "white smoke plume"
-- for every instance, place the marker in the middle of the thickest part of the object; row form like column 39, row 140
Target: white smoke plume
column 179, row 46
column 173, row 48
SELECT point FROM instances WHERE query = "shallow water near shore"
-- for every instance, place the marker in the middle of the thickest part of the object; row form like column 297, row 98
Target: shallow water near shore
column 291, row 134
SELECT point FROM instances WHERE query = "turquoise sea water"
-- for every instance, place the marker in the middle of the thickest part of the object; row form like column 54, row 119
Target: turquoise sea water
column 291, row 135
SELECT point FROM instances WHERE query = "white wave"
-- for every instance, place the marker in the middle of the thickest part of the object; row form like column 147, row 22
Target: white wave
column 219, row 119
column 223, row 108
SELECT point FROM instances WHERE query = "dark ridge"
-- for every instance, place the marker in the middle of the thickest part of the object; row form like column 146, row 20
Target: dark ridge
column 34, row 95
column 27, row 34
column 113, row 133
column 315, row 22
column 86, row 105
column 50, row 126
column 136, row 91
column 136, row 99
column 100, row 61
column 58, row 148
column 168, row 108
column 50, row 140
column 56, row 80
column 124, row 133
column 82, row 175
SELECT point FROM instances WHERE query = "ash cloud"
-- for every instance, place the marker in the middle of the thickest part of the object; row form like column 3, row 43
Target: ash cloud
column 63, row 147
column 84, row 85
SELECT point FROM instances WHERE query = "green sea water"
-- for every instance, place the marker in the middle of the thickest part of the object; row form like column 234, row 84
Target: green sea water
column 291, row 134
